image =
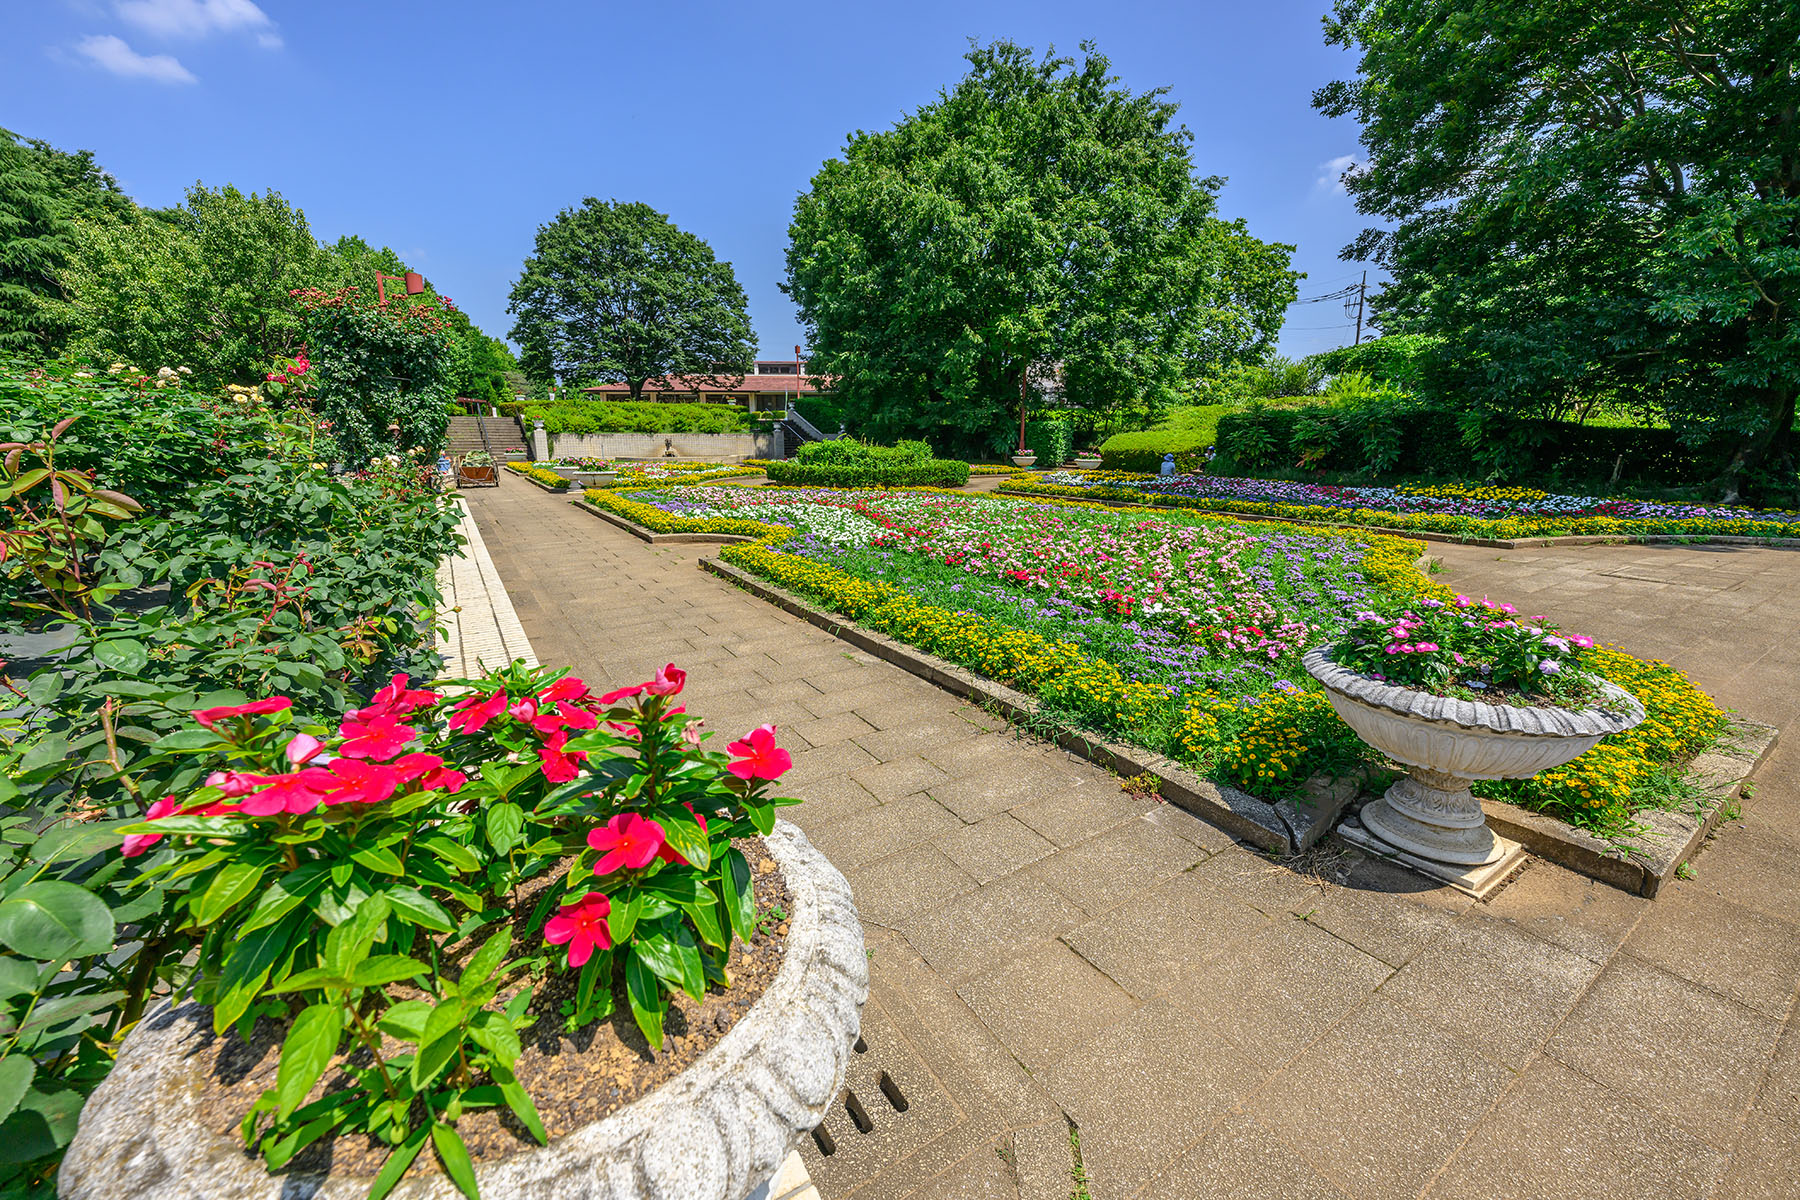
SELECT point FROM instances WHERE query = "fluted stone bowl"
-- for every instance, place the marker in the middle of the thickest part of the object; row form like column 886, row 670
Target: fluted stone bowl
column 1450, row 743
column 716, row 1131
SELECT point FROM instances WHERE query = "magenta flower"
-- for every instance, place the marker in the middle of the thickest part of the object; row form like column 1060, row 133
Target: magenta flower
column 137, row 843
column 297, row 793
column 582, row 924
column 758, row 757
column 210, row 717
column 628, row 840
column 361, row 782
column 668, row 681
column 380, row 736
column 302, row 748
column 560, row 766
column 473, row 714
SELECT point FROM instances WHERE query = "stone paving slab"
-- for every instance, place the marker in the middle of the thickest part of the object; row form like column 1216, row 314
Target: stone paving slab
column 1328, row 1026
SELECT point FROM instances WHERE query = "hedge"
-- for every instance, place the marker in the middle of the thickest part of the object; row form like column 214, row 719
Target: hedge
column 1186, row 433
column 624, row 416
column 930, row 472
column 1052, row 439
column 1424, row 441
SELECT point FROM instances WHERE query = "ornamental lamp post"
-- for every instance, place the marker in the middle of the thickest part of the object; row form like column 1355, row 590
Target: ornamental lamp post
column 415, row 285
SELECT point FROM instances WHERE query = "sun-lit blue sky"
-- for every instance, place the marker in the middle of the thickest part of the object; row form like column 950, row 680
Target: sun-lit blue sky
column 450, row 130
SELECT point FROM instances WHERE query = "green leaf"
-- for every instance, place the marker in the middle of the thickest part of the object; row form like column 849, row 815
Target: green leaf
column 453, row 854
column 622, row 917
column 406, row 1020
column 123, row 655
column 306, row 1053
column 349, row 943
column 185, row 739
column 672, row 954
column 41, row 1125
column 505, row 822
column 438, row 1042
column 519, row 1100
column 16, row 1072
column 248, row 966
column 233, row 883
column 379, row 858
column 54, row 921
column 418, row 908
column 18, row 977
column 684, row 834
column 740, row 902
column 495, row 1034
column 283, row 895
column 705, row 917
column 386, row 968
column 485, row 961
column 646, row 997
column 48, row 1014
column 307, row 980
column 397, row 1162
column 455, row 1157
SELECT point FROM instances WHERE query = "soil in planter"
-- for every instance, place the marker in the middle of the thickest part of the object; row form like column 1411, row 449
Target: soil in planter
column 573, row 1079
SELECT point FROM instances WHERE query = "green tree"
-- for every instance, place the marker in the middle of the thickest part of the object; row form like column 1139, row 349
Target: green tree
column 617, row 291
column 85, row 187
column 381, row 373
column 36, row 239
column 1036, row 222
column 1590, row 201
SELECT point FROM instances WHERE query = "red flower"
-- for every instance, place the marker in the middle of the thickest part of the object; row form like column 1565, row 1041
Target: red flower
column 362, row 782
column 469, row 716
column 549, row 720
column 137, row 843
column 302, row 748
column 758, row 755
column 624, row 693
column 380, row 736
column 523, row 710
column 413, row 766
column 566, row 688
column 296, row 793
column 210, row 717
column 582, row 924
column 396, row 699
column 560, row 767
column 668, row 681
column 628, row 840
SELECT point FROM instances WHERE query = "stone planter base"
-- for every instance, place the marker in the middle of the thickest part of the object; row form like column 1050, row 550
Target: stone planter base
column 1480, row 881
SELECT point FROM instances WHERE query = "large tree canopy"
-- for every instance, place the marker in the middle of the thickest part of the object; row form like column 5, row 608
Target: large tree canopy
column 617, row 292
column 36, row 239
column 1592, row 200
column 1038, row 221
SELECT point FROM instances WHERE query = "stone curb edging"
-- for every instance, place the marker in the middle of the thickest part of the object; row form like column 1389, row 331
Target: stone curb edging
column 541, row 485
column 712, row 1133
column 477, row 619
column 659, row 539
column 1611, row 539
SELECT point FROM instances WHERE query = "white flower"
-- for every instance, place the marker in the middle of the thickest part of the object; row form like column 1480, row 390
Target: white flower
column 1550, row 667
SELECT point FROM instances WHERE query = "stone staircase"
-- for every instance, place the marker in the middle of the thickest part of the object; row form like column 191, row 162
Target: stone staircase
column 505, row 438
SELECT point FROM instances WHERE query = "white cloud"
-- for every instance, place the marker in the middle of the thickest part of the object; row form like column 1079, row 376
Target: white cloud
column 198, row 18
column 112, row 54
column 1331, row 174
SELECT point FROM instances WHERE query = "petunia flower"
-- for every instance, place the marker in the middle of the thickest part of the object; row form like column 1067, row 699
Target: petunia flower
column 138, row 843
column 628, row 840
column 380, row 736
column 210, row 717
column 582, row 924
column 758, row 757
column 473, row 714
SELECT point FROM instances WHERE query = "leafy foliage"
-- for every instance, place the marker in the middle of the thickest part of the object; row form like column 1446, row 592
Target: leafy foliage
column 848, row 463
column 624, row 416
column 616, row 291
column 1037, row 223
column 381, row 367
column 36, row 239
column 1593, row 203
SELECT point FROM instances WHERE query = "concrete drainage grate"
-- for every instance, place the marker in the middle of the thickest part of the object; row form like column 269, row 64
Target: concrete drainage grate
column 891, row 1105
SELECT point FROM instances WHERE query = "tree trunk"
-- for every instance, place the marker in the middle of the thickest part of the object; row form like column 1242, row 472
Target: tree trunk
column 1762, row 468
column 637, row 388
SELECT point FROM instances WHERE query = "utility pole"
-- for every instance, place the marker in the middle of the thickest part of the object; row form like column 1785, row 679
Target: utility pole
column 1361, row 290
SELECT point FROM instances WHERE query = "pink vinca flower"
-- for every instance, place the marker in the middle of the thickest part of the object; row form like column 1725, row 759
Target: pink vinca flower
column 582, row 924
column 299, row 792
column 359, row 782
column 302, row 748
column 668, row 681
column 473, row 714
column 566, row 688
column 628, row 840
column 758, row 757
column 138, row 843
column 378, row 737
column 396, row 700
column 560, row 766
column 210, row 717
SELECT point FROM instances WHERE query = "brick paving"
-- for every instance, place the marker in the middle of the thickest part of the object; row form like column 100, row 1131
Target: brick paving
column 1054, row 962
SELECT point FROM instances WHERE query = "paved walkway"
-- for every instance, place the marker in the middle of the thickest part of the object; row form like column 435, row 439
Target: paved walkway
column 1058, row 969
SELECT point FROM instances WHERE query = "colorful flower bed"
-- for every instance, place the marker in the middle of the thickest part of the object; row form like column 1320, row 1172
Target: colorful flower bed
column 632, row 474
column 1179, row 632
column 1466, row 511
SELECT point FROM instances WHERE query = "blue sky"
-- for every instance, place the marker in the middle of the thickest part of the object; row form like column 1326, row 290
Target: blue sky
column 451, row 130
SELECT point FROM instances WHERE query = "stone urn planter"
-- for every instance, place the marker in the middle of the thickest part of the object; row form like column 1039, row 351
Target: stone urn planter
column 588, row 479
column 1450, row 743
column 1024, row 460
column 1087, row 462
column 717, row 1131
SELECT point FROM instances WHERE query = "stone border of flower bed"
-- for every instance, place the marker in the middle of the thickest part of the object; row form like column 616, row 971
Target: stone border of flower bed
column 659, row 539
column 711, row 1133
column 1026, row 492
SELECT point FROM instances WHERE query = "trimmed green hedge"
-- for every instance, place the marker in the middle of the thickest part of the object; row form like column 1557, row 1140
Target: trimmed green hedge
column 625, row 416
column 1185, row 433
column 848, row 463
column 1052, row 439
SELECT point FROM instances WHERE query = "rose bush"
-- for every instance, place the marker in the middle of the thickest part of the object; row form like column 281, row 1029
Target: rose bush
column 360, row 883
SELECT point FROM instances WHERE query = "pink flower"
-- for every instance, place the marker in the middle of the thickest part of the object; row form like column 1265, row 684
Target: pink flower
column 137, row 843
column 560, row 766
column 380, row 736
column 758, row 755
column 413, row 766
column 471, row 715
column 230, row 783
column 397, row 700
column 582, row 924
column 302, row 748
column 523, row 710
column 624, row 693
column 668, row 681
column 299, row 792
column 628, row 840
column 362, row 782
column 210, row 717
column 566, row 688
column 549, row 721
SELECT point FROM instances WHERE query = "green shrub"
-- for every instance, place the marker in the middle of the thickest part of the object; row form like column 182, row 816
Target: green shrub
column 625, row 416
column 1185, row 432
column 1052, row 439
column 1400, row 358
column 845, row 462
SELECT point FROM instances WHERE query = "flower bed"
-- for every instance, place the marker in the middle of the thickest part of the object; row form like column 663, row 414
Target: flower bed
column 1479, row 512
column 539, row 474
column 1181, row 633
